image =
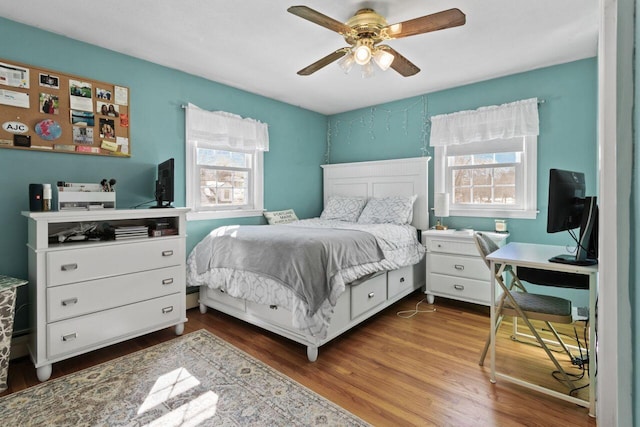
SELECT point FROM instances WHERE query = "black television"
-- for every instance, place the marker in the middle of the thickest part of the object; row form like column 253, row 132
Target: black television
column 164, row 184
column 569, row 209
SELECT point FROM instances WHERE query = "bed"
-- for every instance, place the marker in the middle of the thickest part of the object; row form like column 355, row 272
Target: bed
column 368, row 260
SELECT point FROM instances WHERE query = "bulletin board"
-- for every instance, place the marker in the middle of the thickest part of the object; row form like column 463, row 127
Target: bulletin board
column 45, row 110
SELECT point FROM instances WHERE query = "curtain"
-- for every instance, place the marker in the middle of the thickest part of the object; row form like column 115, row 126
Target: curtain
column 226, row 131
column 516, row 119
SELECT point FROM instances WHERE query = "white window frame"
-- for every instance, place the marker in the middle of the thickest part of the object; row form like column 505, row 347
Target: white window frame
column 526, row 177
column 220, row 130
column 256, row 208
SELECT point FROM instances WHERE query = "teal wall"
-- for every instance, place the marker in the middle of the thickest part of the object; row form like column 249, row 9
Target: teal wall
column 567, row 140
column 293, row 177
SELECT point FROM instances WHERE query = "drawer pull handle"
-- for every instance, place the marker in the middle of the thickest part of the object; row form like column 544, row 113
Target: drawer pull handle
column 459, row 267
column 167, row 310
column 70, row 337
column 402, row 280
column 222, row 291
column 167, row 253
column 458, row 287
column 371, row 294
column 69, row 267
column 70, row 301
column 273, row 307
column 167, row 281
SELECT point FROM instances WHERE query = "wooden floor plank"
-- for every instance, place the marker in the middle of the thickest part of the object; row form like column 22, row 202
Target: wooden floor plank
column 389, row 370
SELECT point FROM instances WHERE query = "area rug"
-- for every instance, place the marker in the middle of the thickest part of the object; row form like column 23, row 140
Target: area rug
column 196, row 379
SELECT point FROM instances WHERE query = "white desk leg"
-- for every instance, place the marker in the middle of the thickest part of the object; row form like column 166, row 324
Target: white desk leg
column 492, row 353
column 593, row 295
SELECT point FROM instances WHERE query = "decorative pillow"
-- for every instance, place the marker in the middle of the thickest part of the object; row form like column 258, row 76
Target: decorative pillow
column 281, row 217
column 388, row 210
column 343, row 208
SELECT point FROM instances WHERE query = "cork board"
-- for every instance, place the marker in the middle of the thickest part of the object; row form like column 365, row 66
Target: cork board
column 45, row 110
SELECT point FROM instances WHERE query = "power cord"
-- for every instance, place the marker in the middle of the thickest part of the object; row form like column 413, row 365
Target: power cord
column 406, row 314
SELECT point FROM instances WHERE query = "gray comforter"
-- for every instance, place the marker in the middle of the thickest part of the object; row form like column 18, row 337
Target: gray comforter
column 302, row 259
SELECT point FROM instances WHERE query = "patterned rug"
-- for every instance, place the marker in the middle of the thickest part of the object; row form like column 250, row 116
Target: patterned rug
column 196, row 379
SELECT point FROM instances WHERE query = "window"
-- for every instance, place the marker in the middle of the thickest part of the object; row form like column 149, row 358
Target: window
column 224, row 165
column 486, row 160
column 491, row 178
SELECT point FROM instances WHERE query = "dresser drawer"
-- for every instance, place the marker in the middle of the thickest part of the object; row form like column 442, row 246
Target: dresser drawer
column 459, row 266
column 368, row 294
column 87, row 297
column 461, row 247
column 399, row 280
column 220, row 296
column 95, row 330
column 78, row 265
column 460, row 288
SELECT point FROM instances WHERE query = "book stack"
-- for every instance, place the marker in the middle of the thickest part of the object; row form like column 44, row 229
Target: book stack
column 158, row 228
column 131, row 232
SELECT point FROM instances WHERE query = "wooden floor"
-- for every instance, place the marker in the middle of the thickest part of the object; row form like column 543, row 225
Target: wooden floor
column 390, row 371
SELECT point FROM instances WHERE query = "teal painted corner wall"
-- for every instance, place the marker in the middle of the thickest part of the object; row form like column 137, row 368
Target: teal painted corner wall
column 293, row 177
column 567, row 140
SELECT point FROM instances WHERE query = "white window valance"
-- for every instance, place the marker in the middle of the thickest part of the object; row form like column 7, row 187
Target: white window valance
column 222, row 130
column 516, row 119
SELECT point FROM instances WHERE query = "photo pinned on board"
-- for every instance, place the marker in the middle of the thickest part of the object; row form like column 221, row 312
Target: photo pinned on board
column 107, row 129
column 49, row 104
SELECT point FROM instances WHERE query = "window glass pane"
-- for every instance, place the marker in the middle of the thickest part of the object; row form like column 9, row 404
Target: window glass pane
column 462, row 195
column 483, row 159
column 460, row 160
column 461, row 177
column 504, row 176
column 481, row 195
column 505, row 195
column 481, row 176
column 220, row 187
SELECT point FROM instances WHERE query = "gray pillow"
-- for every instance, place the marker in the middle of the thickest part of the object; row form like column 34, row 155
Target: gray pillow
column 388, row 210
column 343, row 208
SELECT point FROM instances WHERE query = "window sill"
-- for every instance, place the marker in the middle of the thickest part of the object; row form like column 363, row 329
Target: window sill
column 494, row 213
column 207, row 215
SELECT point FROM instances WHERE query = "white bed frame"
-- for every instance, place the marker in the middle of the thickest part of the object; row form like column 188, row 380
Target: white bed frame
column 401, row 177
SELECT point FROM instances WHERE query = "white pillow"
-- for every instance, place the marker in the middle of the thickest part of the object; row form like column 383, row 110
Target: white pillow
column 343, row 208
column 388, row 210
column 280, row 217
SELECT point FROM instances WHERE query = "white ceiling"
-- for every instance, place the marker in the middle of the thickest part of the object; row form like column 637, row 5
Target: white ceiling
column 257, row 46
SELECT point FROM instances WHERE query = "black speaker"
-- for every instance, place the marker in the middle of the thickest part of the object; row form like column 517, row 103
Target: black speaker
column 35, row 197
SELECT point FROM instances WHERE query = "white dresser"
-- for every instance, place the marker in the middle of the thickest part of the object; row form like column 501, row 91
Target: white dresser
column 454, row 267
column 89, row 294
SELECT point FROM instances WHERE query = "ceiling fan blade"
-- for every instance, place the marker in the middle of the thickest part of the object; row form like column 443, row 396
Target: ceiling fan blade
column 334, row 56
column 401, row 64
column 425, row 24
column 320, row 19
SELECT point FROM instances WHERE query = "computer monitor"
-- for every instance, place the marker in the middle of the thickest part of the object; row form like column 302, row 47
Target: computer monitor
column 164, row 184
column 570, row 209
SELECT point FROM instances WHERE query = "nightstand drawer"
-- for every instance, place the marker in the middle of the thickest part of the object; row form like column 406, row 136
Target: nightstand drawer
column 467, row 247
column 460, row 288
column 459, row 266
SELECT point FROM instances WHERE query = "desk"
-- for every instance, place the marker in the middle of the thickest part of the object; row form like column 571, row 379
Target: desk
column 537, row 256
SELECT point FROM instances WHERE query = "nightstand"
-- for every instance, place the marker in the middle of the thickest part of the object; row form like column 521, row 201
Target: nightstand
column 454, row 268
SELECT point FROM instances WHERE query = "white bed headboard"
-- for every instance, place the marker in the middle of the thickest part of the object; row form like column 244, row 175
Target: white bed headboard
column 383, row 178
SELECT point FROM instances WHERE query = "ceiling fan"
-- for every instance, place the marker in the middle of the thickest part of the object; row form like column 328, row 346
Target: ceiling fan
column 366, row 29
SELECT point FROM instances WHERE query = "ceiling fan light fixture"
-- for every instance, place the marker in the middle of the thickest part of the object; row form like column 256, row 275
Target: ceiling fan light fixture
column 367, row 70
column 362, row 54
column 346, row 62
column 383, row 59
